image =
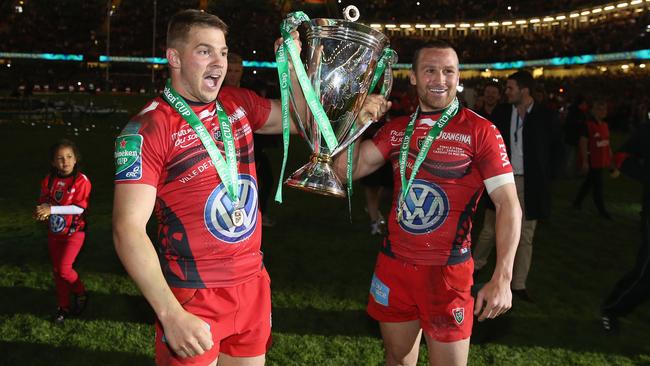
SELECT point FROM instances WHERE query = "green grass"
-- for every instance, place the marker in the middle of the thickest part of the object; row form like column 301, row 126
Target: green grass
column 320, row 265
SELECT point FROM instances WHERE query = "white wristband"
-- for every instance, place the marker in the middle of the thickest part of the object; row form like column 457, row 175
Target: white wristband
column 66, row 210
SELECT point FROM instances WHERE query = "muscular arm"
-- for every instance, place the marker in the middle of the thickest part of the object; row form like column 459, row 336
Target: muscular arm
column 132, row 207
column 496, row 294
column 273, row 124
column 366, row 157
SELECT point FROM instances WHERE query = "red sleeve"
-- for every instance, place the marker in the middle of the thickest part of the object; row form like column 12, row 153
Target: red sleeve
column 82, row 188
column 43, row 197
column 146, row 149
column 257, row 108
column 154, row 148
column 619, row 158
column 491, row 154
column 390, row 136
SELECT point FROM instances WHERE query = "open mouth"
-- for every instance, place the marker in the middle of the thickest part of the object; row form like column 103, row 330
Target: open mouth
column 212, row 79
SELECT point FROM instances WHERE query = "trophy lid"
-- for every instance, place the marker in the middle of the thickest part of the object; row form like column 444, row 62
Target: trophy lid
column 348, row 30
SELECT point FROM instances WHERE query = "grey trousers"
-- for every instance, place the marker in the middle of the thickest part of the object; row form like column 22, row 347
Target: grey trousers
column 486, row 241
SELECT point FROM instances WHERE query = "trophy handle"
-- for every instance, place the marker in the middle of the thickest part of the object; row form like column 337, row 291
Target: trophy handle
column 387, row 86
column 389, row 57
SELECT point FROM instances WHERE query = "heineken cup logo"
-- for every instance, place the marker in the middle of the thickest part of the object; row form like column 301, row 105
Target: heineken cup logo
column 128, row 157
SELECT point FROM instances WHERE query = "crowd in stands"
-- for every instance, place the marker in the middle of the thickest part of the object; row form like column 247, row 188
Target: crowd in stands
column 70, row 26
column 621, row 35
column 453, row 11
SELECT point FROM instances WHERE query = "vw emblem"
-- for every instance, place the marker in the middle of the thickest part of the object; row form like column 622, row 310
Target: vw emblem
column 57, row 223
column 219, row 209
column 425, row 208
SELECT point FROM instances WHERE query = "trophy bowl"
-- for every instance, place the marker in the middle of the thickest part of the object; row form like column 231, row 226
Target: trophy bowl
column 341, row 59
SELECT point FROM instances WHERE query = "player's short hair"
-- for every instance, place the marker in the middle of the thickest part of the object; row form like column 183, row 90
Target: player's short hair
column 437, row 44
column 524, row 79
column 180, row 24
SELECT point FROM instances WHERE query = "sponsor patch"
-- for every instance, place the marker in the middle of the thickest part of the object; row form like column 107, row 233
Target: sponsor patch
column 379, row 291
column 57, row 223
column 425, row 209
column 128, row 157
column 218, row 210
column 396, row 137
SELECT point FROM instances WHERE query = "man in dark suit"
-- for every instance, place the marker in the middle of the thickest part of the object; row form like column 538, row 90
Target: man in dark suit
column 531, row 135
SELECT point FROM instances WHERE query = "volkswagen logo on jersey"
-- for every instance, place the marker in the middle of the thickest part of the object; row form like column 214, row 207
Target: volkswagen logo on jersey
column 218, row 209
column 57, row 223
column 425, row 208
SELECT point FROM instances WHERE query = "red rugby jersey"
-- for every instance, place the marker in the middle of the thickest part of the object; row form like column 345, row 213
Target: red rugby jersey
column 66, row 191
column 197, row 243
column 437, row 215
column 598, row 143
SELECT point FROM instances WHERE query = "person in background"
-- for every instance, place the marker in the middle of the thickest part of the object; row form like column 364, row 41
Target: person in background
column 595, row 154
column 531, row 137
column 633, row 159
column 491, row 98
column 63, row 202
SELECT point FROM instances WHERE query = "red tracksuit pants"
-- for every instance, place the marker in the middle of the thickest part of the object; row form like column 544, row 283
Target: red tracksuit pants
column 63, row 252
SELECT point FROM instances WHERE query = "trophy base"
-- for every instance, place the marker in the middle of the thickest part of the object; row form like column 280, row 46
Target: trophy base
column 317, row 176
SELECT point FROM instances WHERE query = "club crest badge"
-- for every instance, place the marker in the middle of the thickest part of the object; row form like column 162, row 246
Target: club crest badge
column 459, row 315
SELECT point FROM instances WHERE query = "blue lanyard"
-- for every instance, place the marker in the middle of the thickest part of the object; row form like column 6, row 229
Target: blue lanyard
column 518, row 127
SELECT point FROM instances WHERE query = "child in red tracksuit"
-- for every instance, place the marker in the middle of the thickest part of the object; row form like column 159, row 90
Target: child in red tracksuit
column 596, row 157
column 63, row 201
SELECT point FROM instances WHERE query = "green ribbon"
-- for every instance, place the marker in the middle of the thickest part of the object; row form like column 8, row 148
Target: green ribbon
column 290, row 24
column 387, row 56
column 226, row 169
column 447, row 114
column 285, row 89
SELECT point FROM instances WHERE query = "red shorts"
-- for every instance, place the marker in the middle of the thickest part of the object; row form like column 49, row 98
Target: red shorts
column 439, row 296
column 239, row 319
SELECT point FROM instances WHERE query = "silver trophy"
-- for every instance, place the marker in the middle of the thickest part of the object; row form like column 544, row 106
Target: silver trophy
column 341, row 59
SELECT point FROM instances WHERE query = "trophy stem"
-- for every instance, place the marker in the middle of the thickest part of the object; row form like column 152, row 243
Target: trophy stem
column 317, row 176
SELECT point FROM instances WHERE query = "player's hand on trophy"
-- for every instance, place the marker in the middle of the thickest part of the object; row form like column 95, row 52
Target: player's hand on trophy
column 187, row 335
column 42, row 212
column 296, row 40
column 374, row 107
